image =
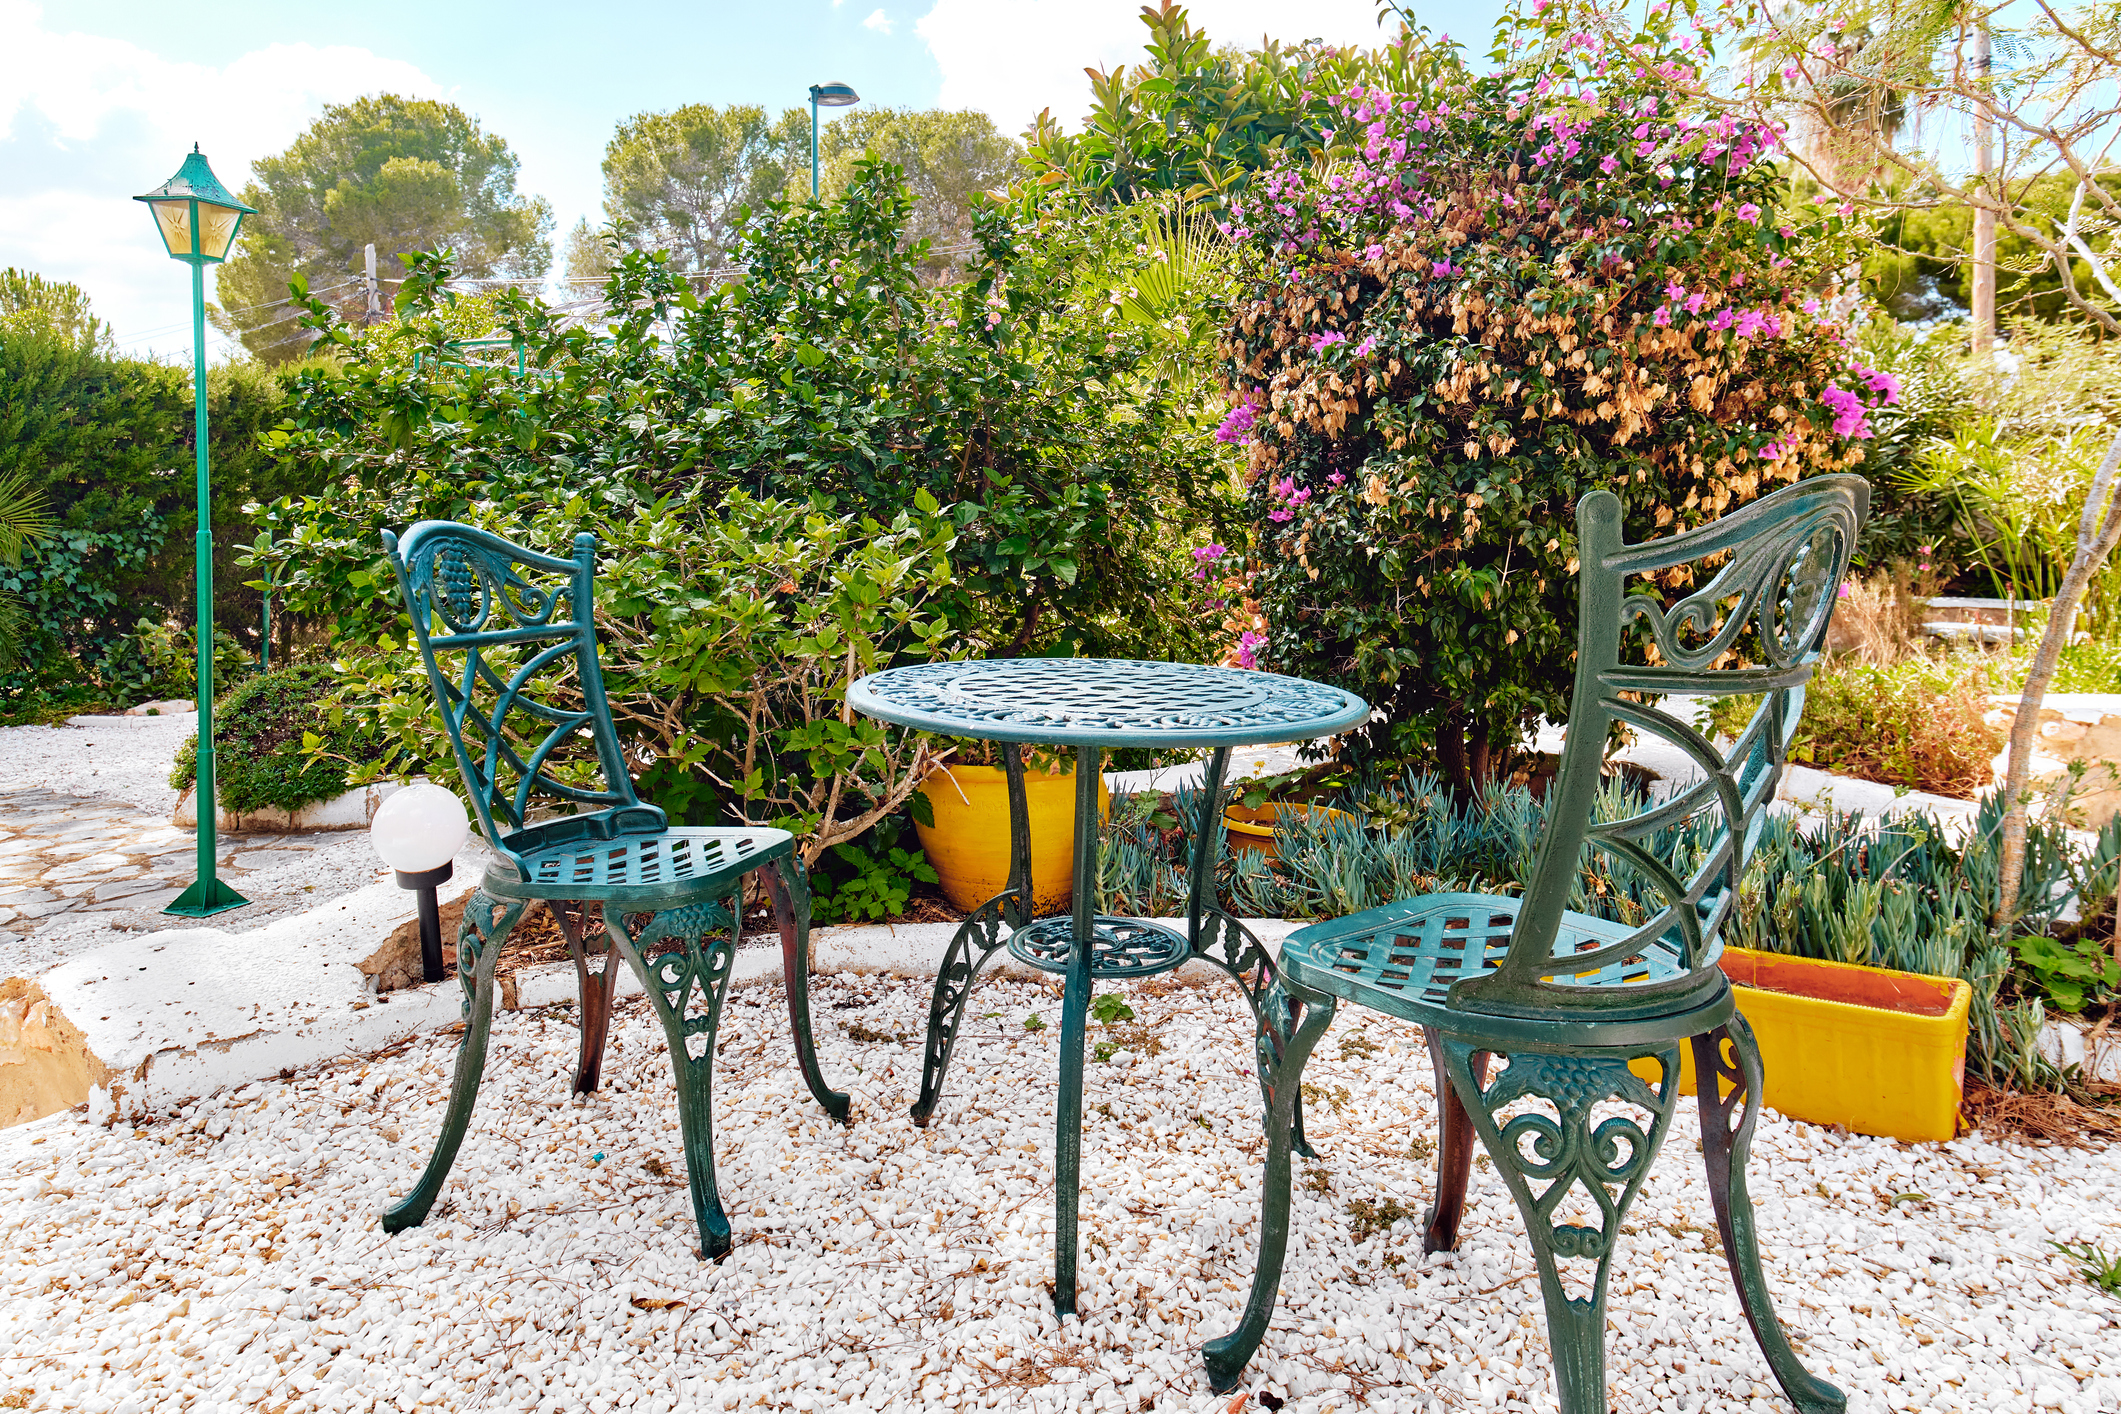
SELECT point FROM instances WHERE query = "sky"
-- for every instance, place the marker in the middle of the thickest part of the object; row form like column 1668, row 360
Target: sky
column 101, row 99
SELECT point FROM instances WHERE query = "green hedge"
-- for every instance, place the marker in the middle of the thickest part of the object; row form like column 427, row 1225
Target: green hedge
column 109, row 442
column 259, row 759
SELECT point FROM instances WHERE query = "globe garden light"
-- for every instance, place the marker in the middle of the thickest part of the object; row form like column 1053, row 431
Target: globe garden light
column 198, row 220
column 418, row 832
column 826, row 95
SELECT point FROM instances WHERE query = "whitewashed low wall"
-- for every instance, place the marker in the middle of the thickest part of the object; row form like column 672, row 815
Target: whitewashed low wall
column 354, row 810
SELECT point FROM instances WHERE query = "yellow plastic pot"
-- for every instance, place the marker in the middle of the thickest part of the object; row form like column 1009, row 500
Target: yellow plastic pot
column 968, row 844
column 1252, row 827
column 1877, row 1051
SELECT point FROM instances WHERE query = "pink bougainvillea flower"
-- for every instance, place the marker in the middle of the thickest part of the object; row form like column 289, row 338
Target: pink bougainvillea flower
column 1883, row 383
column 1609, row 164
column 1850, row 418
column 1237, row 425
column 1248, row 646
column 1321, row 342
column 1749, row 212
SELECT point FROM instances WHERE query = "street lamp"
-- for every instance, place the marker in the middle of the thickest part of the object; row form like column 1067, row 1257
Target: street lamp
column 197, row 219
column 826, row 95
column 418, row 832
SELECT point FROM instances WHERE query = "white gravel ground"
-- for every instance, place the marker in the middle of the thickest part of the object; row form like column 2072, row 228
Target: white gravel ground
column 116, row 772
column 124, row 759
column 228, row 1258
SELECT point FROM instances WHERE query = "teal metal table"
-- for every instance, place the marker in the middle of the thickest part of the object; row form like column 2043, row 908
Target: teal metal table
column 1093, row 704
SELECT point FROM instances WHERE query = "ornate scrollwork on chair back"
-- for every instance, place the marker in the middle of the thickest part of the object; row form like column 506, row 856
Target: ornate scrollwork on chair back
column 1777, row 570
column 516, row 617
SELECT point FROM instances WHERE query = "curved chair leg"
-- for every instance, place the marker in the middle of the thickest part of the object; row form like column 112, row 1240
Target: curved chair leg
column 595, row 989
column 1454, row 1148
column 704, row 960
column 1290, row 1024
column 479, row 939
column 1571, row 1154
column 1724, row 1147
column 1296, row 1130
column 791, row 912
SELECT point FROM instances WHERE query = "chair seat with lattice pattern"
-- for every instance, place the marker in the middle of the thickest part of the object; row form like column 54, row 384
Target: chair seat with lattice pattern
column 668, row 869
column 1570, row 999
column 1403, row 958
column 527, row 718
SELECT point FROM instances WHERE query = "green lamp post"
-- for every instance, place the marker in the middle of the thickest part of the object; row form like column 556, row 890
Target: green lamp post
column 198, row 219
column 826, row 95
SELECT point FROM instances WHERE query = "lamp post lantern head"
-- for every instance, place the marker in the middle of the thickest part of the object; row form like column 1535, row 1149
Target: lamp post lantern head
column 197, row 217
column 834, row 95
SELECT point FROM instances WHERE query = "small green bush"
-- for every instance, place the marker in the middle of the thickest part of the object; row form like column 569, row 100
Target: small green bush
column 1917, row 723
column 259, row 758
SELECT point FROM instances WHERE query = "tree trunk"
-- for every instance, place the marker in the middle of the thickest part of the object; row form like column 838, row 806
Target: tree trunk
column 2098, row 530
column 1984, row 281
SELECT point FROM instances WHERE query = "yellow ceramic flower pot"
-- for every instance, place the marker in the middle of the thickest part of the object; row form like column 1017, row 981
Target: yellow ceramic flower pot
column 1252, row 827
column 969, row 842
column 1877, row 1051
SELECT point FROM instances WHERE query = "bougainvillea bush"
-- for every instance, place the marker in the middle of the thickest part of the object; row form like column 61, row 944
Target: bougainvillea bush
column 1515, row 287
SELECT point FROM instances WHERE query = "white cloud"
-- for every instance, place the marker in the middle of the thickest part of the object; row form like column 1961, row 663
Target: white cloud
column 87, row 121
column 878, row 22
column 1010, row 58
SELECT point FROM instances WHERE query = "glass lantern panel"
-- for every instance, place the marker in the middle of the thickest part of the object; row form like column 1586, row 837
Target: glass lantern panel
column 173, row 220
column 217, row 230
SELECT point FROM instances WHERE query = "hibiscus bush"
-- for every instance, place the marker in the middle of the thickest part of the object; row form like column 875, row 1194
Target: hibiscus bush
column 1511, row 288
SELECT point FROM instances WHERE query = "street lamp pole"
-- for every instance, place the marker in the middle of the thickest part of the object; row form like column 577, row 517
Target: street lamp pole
column 826, row 95
column 197, row 219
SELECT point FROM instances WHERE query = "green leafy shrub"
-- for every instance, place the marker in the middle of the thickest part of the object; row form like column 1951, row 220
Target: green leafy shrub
column 278, row 742
column 831, row 372
column 1201, row 118
column 2069, row 974
column 2011, row 467
column 1514, row 287
column 107, row 441
column 729, row 640
column 855, row 882
column 767, row 468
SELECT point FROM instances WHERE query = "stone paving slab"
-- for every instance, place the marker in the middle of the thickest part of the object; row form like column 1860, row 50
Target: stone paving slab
column 79, row 872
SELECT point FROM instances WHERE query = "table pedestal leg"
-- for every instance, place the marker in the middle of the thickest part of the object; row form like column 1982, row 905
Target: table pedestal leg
column 1075, row 1020
column 1207, row 845
column 977, row 939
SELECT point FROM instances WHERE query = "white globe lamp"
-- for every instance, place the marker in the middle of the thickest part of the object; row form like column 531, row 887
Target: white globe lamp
column 418, row 832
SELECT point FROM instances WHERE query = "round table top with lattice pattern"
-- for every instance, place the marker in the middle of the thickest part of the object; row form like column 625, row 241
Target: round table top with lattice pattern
column 1105, row 702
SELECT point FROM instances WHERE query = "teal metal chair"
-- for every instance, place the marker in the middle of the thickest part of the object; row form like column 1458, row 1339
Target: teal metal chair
column 1569, row 997
column 672, row 898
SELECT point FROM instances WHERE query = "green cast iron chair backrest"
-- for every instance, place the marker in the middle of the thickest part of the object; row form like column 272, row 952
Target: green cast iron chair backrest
column 516, row 617
column 1778, row 566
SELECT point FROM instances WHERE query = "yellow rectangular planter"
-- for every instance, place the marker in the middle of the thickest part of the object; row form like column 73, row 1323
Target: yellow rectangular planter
column 1877, row 1051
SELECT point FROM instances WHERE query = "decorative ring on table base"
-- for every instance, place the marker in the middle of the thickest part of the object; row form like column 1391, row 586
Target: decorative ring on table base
column 1119, row 947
